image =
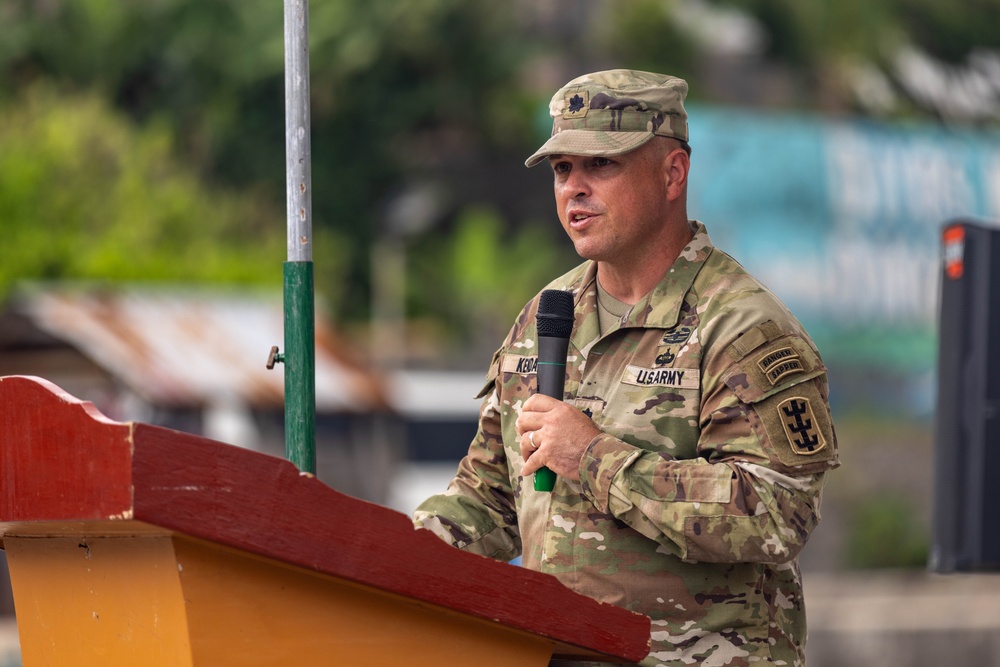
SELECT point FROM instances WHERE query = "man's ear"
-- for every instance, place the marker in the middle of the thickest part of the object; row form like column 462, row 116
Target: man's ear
column 676, row 165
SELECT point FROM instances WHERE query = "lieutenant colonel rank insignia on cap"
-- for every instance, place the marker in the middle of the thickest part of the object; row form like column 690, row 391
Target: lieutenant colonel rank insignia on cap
column 801, row 427
column 577, row 104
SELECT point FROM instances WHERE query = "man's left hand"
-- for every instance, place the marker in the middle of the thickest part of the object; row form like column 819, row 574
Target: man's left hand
column 553, row 434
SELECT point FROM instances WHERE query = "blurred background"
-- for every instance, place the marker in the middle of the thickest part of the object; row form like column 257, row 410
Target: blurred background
column 142, row 229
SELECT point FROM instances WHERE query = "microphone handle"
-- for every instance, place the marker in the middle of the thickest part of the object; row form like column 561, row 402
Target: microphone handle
column 551, row 375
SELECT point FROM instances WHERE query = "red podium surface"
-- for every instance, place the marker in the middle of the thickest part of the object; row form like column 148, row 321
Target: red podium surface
column 133, row 544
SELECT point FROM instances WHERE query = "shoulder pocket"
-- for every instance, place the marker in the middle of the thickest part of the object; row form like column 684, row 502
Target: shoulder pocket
column 491, row 374
column 781, row 382
column 773, row 367
column 798, row 430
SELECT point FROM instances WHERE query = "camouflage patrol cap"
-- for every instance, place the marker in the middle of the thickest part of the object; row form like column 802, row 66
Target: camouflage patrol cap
column 614, row 112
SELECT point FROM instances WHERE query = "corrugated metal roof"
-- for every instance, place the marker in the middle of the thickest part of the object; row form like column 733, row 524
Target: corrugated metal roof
column 193, row 347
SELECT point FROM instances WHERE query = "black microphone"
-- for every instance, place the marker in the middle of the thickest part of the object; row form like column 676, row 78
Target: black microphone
column 554, row 323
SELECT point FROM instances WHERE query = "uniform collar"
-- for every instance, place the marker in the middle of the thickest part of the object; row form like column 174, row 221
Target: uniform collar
column 660, row 308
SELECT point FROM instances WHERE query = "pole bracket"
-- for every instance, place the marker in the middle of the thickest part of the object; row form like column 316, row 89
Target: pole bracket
column 274, row 357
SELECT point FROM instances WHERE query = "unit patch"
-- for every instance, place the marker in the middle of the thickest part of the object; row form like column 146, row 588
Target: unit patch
column 801, row 427
column 677, row 378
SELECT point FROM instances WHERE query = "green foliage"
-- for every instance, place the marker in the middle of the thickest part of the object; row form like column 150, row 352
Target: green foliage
column 815, row 35
column 642, row 35
column 488, row 274
column 812, row 34
column 394, row 84
column 86, row 195
column 885, row 532
column 399, row 88
column 948, row 30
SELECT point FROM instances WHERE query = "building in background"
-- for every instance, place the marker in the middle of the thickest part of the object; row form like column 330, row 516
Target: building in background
column 195, row 360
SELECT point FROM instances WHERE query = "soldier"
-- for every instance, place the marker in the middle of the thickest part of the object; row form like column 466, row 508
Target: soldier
column 695, row 433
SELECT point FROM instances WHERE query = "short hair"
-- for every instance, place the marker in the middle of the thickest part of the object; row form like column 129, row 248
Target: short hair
column 683, row 145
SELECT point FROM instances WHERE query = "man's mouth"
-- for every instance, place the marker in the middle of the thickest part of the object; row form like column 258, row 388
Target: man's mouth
column 578, row 219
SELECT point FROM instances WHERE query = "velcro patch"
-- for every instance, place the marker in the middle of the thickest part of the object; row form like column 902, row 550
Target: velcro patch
column 783, row 369
column 801, row 427
column 780, row 363
column 577, row 104
column 775, row 357
column 676, row 378
column 519, row 365
column 795, row 425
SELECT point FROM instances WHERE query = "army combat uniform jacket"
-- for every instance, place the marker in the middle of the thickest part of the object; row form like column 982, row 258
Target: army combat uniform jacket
column 694, row 503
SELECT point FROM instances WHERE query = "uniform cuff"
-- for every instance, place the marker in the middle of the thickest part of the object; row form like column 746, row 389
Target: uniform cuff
column 604, row 457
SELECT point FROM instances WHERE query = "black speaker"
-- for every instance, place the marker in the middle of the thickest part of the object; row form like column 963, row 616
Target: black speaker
column 966, row 521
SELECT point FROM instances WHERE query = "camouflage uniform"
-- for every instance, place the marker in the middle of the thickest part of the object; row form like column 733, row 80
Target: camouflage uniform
column 694, row 503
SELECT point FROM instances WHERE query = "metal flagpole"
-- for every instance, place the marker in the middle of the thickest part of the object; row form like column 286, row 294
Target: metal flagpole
column 300, row 340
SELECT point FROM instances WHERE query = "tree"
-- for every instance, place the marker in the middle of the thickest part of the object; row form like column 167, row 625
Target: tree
column 410, row 90
column 396, row 86
column 85, row 194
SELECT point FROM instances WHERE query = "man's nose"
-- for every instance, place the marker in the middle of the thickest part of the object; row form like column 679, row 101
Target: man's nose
column 576, row 185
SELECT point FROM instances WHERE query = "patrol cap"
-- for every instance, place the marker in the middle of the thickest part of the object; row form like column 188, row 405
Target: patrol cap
column 614, row 112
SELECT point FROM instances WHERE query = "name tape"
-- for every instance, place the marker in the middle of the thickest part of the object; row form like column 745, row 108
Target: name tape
column 677, row 378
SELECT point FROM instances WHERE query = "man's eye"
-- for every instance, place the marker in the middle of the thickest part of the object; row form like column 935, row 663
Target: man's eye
column 601, row 161
column 560, row 167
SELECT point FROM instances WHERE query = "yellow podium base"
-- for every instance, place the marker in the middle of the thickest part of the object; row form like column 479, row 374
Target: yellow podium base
column 168, row 601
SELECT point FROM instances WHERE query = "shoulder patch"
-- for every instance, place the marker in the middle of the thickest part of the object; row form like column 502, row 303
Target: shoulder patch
column 796, row 429
column 801, row 426
column 775, row 357
column 773, row 366
column 779, row 372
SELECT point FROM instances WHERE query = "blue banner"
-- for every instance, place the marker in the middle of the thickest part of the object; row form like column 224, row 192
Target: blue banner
column 842, row 220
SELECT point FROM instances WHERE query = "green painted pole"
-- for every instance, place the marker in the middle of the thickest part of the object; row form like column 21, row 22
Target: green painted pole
column 300, row 339
column 300, row 366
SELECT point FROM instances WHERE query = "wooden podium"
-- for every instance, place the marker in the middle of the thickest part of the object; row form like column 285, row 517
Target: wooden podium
column 131, row 544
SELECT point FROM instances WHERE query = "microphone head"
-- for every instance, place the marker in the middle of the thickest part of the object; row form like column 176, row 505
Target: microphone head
column 555, row 314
